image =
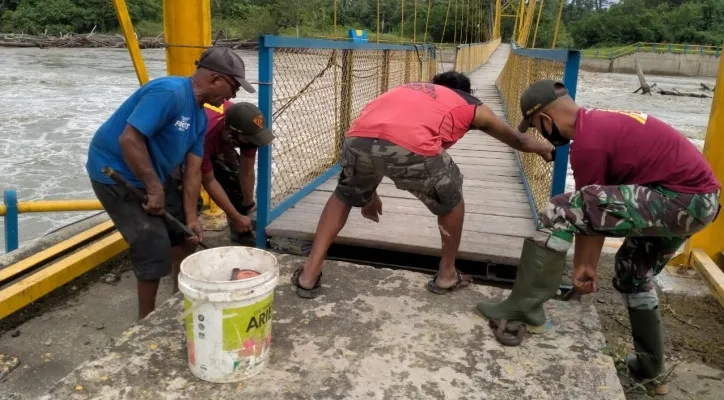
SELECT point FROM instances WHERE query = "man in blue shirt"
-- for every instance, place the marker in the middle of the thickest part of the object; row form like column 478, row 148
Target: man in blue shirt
column 151, row 135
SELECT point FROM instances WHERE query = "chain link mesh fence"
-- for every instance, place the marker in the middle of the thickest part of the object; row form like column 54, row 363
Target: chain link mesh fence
column 519, row 72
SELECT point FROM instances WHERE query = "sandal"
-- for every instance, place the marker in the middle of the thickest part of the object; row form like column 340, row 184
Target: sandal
column 304, row 292
column 463, row 281
column 508, row 333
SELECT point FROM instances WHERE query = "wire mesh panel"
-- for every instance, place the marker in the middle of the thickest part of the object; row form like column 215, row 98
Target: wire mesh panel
column 519, row 72
column 318, row 92
column 305, row 102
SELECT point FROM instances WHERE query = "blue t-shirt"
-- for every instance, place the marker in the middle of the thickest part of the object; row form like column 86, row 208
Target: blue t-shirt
column 165, row 111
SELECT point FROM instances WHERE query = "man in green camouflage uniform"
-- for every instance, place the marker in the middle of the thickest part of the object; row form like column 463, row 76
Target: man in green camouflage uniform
column 635, row 177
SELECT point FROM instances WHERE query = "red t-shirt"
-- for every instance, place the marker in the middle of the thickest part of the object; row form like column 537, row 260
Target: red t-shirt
column 213, row 145
column 420, row 117
column 614, row 147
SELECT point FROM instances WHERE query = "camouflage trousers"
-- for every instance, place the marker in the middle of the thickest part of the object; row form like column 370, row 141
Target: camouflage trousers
column 655, row 222
column 434, row 180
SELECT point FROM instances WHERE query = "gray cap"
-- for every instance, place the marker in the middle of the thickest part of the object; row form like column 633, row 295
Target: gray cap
column 536, row 96
column 225, row 61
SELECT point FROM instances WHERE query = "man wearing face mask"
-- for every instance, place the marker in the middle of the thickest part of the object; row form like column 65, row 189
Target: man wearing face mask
column 635, row 177
column 228, row 176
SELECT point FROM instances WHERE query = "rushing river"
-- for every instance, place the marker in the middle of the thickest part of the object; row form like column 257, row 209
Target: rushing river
column 53, row 100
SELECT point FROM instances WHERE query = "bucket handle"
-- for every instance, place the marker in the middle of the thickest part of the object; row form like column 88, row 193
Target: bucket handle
column 194, row 307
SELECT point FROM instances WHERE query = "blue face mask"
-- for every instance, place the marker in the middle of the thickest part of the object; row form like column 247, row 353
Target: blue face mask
column 555, row 135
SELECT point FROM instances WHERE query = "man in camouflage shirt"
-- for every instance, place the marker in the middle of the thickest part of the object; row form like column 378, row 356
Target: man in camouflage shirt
column 635, row 177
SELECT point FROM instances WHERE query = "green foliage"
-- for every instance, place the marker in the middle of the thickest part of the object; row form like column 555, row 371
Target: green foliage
column 586, row 23
column 658, row 21
column 64, row 16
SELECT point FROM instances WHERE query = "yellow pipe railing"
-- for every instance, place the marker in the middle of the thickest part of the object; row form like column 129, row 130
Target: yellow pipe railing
column 55, row 206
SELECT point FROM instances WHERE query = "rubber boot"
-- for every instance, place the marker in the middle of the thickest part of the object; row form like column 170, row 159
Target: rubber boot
column 648, row 339
column 537, row 280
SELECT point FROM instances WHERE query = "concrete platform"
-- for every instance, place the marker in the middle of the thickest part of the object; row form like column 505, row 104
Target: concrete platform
column 374, row 334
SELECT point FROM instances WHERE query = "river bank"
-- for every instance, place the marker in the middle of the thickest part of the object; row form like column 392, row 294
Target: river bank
column 100, row 40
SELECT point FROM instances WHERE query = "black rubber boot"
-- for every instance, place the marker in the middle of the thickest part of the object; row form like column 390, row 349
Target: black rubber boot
column 648, row 339
column 537, row 280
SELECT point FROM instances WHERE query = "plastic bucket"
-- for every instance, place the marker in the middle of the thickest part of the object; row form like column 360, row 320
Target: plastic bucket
column 228, row 323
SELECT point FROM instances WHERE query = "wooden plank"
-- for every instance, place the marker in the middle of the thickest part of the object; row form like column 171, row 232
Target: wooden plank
column 711, row 272
column 481, row 155
column 502, row 162
column 477, row 247
column 507, row 188
column 494, row 183
column 472, row 196
column 474, row 153
column 391, row 204
column 388, row 189
column 410, row 228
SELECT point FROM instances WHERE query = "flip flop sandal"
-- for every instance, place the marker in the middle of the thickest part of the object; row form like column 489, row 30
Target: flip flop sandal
column 304, row 292
column 508, row 333
column 463, row 281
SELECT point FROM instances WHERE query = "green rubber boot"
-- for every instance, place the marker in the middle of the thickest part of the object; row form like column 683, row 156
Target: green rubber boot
column 537, row 280
column 648, row 338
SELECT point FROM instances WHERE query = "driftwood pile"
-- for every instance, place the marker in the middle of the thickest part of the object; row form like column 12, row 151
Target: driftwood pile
column 71, row 40
column 645, row 88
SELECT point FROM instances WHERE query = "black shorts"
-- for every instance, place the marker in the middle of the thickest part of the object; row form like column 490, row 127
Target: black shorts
column 149, row 237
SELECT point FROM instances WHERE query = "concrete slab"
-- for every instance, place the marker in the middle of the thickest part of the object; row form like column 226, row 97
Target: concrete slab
column 375, row 334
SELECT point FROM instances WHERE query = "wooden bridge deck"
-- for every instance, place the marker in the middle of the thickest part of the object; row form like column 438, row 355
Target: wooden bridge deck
column 497, row 217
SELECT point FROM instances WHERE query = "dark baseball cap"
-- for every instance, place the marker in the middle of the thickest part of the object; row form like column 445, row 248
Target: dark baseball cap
column 537, row 96
column 246, row 119
column 225, row 61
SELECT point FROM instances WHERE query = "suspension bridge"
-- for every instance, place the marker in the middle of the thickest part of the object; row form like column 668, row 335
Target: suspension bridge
column 310, row 90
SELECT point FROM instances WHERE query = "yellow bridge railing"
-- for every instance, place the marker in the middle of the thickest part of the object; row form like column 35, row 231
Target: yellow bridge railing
column 649, row 47
column 523, row 67
column 470, row 57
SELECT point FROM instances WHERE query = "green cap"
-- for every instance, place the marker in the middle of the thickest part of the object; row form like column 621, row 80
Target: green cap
column 537, row 96
column 246, row 119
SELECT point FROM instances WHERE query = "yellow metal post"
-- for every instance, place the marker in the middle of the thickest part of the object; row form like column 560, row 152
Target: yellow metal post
column 519, row 21
column 187, row 28
column 711, row 239
column 496, row 25
column 124, row 20
column 558, row 24
column 527, row 22
column 537, row 22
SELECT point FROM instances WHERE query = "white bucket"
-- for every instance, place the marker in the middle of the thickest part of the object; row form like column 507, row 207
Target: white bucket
column 228, row 323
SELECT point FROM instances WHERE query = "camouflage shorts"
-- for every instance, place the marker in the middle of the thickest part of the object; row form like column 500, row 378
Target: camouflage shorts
column 655, row 222
column 436, row 180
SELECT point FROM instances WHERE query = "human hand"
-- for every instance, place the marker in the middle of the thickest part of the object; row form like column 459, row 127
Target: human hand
column 546, row 151
column 252, row 208
column 372, row 210
column 154, row 201
column 241, row 223
column 585, row 279
column 195, row 227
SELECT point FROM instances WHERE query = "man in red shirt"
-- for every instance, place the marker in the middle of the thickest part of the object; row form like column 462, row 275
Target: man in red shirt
column 635, row 177
column 403, row 134
column 228, row 176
